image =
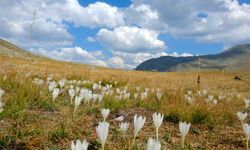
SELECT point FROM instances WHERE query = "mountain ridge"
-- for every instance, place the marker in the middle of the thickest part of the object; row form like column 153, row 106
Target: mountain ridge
column 233, row 59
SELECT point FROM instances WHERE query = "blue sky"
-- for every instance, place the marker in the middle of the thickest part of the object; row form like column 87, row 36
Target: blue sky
column 244, row 1
column 179, row 45
column 124, row 33
column 117, row 3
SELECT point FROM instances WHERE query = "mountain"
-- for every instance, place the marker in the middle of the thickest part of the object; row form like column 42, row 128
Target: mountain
column 236, row 58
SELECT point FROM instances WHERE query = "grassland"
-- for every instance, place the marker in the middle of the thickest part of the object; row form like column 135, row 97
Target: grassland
column 31, row 120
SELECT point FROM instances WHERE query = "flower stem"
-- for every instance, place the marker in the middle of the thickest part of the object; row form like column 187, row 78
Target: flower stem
column 247, row 144
column 133, row 140
column 182, row 142
column 157, row 134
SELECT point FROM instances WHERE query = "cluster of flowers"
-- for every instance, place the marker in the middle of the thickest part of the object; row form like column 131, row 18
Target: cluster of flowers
column 242, row 116
column 190, row 97
column 102, row 131
column 79, row 93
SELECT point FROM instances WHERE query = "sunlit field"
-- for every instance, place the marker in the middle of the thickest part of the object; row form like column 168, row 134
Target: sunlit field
column 47, row 104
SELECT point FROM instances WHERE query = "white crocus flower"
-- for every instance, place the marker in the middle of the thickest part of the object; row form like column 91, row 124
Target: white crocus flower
column 159, row 94
column 138, row 124
column 246, row 129
column 62, row 83
column 136, row 95
column 247, row 102
column 120, row 118
column 100, row 97
column 189, row 99
column 157, row 119
column 153, row 144
column 147, row 90
column 1, row 92
column 72, row 93
column 77, row 89
column 210, row 98
column 105, row 113
column 1, row 105
column 4, row 78
column 52, row 86
column 215, row 101
column 241, row 116
column 238, row 95
column 55, row 93
column 79, row 146
column 204, row 92
column 221, row 97
column 184, row 128
column 144, row 95
column 78, row 100
column 124, row 127
column 38, row 81
column 102, row 131
column 190, row 92
column 199, row 93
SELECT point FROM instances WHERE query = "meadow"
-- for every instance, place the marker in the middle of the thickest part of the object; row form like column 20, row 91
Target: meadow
column 40, row 112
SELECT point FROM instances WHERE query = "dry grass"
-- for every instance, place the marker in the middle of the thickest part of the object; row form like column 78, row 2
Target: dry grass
column 32, row 121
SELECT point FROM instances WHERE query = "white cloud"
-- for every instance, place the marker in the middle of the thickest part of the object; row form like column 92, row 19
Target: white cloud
column 98, row 14
column 90, row 39
column 116, row 62
column 42, row 24
column 130, row 39
column 175, row 54
column 126, row 60
column 74, row 54
column 121, row 60
column 144, row 16
column 226, row 22
column 98, row 54
column 23, row 24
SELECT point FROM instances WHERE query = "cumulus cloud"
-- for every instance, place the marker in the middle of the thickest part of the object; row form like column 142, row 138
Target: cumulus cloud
column 23, row 24
column 225, row 21
column 90, row 39
column 116, row 62
column 130, row 39
column 43, row 24
column 126, row 60
column 98, row 14
column 143, row 16
column 74, row 54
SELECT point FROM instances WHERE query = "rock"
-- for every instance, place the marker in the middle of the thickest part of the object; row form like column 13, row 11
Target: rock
column 237, row 78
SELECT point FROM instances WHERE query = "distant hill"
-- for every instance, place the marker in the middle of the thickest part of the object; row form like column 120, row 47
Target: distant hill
column 11, row 50
column 236, row 58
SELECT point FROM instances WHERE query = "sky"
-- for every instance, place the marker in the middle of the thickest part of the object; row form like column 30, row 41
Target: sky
column 124, row 33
